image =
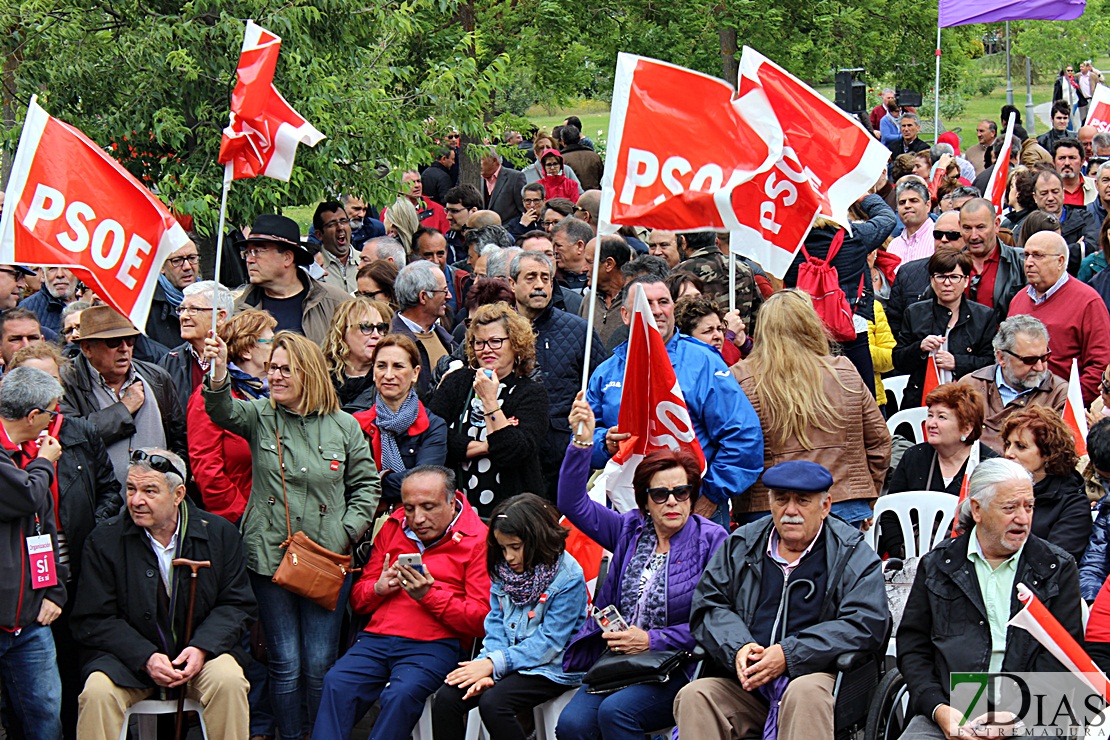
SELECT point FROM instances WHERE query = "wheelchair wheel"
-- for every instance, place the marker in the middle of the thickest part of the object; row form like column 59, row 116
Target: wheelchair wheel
column 890, row 709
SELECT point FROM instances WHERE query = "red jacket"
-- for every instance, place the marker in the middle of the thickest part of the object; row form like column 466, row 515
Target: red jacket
column 221, row 462
column 457, row 604
column 368, row 420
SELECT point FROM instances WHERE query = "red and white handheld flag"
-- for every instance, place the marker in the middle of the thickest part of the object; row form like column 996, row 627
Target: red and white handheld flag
column 1038, row 621
column 1075, row 415
column 996, row 185
column 1098, row 114
column 653, row 410
column 70, row 204
column 264, row 131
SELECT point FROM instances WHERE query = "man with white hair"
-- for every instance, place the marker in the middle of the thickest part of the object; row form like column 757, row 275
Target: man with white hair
column 422, row 292
column 58, row 290
column 964, row 594
column 185, row 363
column 382, row 248
column 1019, row 378
column 748, row 585
column 1074, row 314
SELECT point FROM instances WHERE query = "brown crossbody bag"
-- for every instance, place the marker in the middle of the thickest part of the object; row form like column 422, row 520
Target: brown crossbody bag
column 307, row 569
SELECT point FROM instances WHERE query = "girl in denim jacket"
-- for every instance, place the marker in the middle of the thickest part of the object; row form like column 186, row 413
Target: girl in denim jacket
column 537, row 603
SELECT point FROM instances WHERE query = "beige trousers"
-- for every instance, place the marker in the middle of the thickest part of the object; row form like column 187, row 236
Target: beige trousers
column 220, row 687
column 719, row 708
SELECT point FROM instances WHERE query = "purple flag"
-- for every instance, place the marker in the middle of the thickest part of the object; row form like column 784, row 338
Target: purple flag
column 962, row 12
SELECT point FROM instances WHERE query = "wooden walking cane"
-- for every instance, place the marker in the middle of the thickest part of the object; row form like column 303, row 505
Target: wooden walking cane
column 193, row 566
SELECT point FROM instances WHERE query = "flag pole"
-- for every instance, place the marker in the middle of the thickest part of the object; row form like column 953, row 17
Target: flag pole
column 731, row 276
column 229, row 171
column 590, row 316
column 936, row 95
column 1009, row 78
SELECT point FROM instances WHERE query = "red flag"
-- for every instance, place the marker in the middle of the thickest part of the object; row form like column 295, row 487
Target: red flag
column 932, row 378
column 587, row 552
column 264, row 131
column 996, row 186
column 653, row 410
column 965, row 484
column 70, row 204
column 679, row 145
column 1075, row 415
column 1098, row 114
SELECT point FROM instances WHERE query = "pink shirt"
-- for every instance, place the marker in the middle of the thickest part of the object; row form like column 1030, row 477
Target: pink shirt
column 491, row 181
column 914, row 247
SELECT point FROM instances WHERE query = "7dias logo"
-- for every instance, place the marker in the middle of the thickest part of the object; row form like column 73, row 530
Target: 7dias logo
column 1028, row 705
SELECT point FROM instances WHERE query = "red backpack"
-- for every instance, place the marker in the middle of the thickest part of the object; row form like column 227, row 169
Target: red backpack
column 821, row 280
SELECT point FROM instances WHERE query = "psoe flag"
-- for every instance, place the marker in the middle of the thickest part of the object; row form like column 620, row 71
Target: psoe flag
column 962, row 12
column 680, row 143
column 264, row 131
column 70, row 204
column 1098, row 114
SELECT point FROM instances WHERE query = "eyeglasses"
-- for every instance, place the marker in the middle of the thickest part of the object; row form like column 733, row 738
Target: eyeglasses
column 1104, row 386
column 264, row 341
column 48, row 411
column 660, row 495
column 158, row 462
column 948, row 278
column 115, row 342
column 1038, row 256
column 1030, row 360
column 192, row 259
column 433, row 292
column 947, row 236
column 191, row 310
column 16, row 274
column 284, row 371
column 367, row 328
column 253, row 252
column 337, row 222
column 492, row 343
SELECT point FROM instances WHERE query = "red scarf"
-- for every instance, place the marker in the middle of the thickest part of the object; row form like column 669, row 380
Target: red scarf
column 30, row 451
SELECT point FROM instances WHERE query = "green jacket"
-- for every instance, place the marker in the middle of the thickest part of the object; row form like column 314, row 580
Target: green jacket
column 329, row 473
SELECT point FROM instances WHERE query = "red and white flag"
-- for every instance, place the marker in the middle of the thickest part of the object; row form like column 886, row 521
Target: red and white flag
column 653, row 410
column 1098, row 114
column 1075, row 415
column 587, row 552
column 264, row 131
column 1038, row 621
column 996, row 185
column 70, row 204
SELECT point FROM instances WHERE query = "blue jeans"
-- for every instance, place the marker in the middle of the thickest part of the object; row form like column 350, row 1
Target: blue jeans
column 32, row 686
column 399, row 673
column 721, row 516
column 627, row 714
column 302, row 640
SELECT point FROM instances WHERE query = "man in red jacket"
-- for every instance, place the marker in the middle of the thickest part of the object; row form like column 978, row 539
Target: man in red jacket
column 422, row 618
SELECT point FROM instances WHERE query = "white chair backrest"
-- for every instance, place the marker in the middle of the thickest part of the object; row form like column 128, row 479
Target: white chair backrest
column 895, row 387
column 928, row 505
column 914, row 417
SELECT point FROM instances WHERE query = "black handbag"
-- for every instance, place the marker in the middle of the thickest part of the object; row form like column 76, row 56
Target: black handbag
column 615, row 671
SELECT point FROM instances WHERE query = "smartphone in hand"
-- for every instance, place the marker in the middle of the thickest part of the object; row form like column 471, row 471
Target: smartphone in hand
column 412, row 559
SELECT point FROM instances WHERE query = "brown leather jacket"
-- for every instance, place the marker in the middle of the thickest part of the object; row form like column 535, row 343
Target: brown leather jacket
column 1052, row 392
column 857, row 454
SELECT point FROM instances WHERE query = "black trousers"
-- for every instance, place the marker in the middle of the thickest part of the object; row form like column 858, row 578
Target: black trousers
column 858, row 352
column 498, row 706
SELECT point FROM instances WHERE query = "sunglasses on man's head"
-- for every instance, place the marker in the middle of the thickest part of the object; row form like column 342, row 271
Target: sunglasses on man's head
column 157, row 462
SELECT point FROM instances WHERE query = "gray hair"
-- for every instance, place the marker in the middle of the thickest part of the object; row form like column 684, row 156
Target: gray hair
column 904, row 116
column 577, row 230
column 938, row 150
column 1020, row 324
column 984, row 483
column 888, row 90
column 389, row 249
column 497, row 265
column 25, row 389
column 543, row 259
column 1102, row 138
column 446, row 473
column 1105, row 165
column 173, row 480
column 74, row 308
column 217, row 295
column 916, row 186
column 414, row 279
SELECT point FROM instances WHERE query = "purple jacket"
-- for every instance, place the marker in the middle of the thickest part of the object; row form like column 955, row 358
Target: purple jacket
column 691, row 550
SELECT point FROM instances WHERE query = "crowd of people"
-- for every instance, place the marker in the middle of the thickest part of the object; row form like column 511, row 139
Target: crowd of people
column 402, row 387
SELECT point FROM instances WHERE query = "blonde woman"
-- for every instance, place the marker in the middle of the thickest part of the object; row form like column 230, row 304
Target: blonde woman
column 356, row 328
column 812, row 406
column 402, row 221
column 331, row 488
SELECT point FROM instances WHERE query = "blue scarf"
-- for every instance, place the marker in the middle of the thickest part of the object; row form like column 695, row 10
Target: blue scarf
column 173, row 295
column 247, row 384
column 391, row 424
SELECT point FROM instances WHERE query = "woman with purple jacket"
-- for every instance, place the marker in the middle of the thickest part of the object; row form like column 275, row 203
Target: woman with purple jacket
column 659, row 553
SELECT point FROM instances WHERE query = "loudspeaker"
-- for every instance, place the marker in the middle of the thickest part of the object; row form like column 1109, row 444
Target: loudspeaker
column 851, row 94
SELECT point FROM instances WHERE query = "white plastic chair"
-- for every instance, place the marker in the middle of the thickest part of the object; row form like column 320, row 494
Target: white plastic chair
column 914, row 417
column 475, row 730
column 146, row 711
column 547, row 714
column 927, row 504
column 895, row 388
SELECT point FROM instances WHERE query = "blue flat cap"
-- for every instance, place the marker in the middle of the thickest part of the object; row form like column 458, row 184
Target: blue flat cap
column 798, row 475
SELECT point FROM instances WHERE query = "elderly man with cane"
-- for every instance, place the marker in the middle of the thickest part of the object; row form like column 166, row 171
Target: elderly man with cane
column 162, row 605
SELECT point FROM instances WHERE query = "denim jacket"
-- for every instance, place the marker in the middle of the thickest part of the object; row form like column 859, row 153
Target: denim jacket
column 531, row 639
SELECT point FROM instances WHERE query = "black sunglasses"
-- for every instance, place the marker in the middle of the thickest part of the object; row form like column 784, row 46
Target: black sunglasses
column 660, row 495
column 1030, row 360
column 115, row 342
column 157, row 462
column 367, row 328
column 949, row 236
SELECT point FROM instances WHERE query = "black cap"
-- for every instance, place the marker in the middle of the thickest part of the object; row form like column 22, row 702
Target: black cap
column 280, row 230
column 22, row 268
